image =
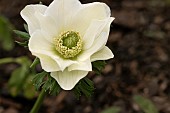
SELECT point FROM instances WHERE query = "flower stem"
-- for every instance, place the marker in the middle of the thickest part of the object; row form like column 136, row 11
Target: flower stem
column 39, row 101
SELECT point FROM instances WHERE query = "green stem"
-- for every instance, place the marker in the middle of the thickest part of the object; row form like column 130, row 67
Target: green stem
column 38, row 102
column 6, row 60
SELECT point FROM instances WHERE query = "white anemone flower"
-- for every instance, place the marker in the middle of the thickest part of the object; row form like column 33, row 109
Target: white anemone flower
column 67, row 36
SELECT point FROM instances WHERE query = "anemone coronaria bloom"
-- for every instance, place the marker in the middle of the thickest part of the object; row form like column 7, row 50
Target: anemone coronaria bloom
column 67, row 36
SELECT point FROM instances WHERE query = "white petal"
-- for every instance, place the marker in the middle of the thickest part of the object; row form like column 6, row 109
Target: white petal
column 98, row 43
column 103, row 54
column 28, row 14
column 68, row 79
column 38, row 45
column 62, row 11
column 63, row 63
column 87, row 13
column 81, row 65
column 41, row 48
column 60, row 62
column 87, row 53
column 47, row 25
column 47, row 63
column 93, row 31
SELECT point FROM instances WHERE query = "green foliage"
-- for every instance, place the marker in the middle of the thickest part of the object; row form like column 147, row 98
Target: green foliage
column 26, row 27
column 38, row 80
column 28, row 89
column 54, row 88
column 6, row 60
column 17, row 80
column 45, row 81
column 35, row 62
column 25, row 43
column 6, row 34
column 98, row 66
column 85, row 86
column 112, row 110
column 51, row 86
column 145, row 104
column 20, row 80
column 22, row 34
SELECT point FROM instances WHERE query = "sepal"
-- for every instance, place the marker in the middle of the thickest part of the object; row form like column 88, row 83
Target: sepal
column 38, row 80
column 35, row 62
column 85, row 86
column 26, row 27
column 45, row 81
column 51, row 86
column 25, row 43
column 22, row 34
column 98, row 66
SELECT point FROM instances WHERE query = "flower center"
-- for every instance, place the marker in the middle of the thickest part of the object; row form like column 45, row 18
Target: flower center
column 68, row 44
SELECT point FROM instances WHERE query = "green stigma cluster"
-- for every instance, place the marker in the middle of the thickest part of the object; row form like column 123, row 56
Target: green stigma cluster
column 68, row 44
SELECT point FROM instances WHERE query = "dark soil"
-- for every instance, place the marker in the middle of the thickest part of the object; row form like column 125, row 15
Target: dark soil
column 140, row 41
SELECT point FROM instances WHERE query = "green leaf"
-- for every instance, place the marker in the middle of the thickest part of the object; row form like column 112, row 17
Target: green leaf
column 35, row 62
column 20, row 60
column 85, row 86
column 26, row 27
column 38, row 80
column 55, row 88
column 25, row 43
column 6, row 34
column 17, row 80
column 6, row 60
column 145, row 104
column 28, row 88
column 23, row 61
column 98, row 66
column 51, row 86
column 19, row 75
column 47, row 84
column 22, row 34
column 112, row 110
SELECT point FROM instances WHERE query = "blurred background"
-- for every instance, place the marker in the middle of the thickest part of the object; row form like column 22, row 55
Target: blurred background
column 137, row 80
